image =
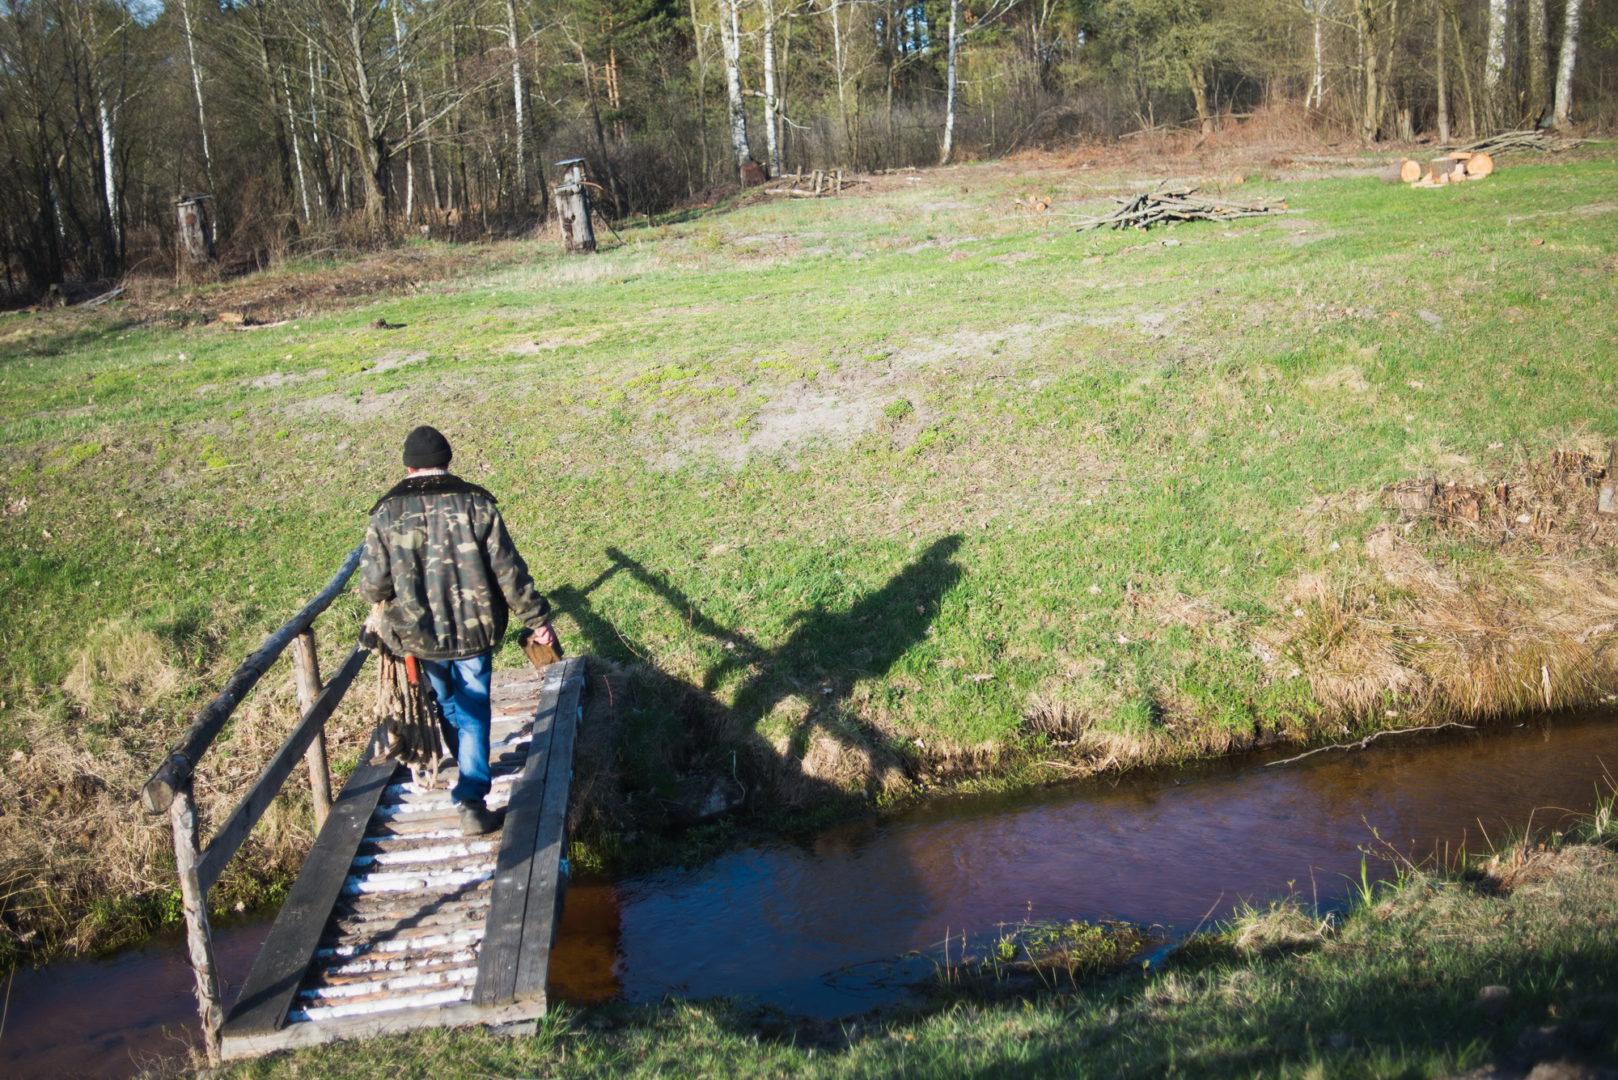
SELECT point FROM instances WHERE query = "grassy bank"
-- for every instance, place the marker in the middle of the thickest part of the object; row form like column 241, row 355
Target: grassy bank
column 1489, row 972
column 861, row 497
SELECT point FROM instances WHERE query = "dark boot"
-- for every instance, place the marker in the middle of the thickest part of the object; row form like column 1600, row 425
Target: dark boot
column 477, row 819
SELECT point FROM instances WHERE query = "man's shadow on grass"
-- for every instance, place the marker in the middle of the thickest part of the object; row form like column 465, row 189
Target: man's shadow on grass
column 676, row 752
column 817, row 753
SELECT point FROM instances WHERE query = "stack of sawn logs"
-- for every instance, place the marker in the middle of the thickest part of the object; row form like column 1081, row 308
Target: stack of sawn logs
column 1168, row 205
column 1453, row 168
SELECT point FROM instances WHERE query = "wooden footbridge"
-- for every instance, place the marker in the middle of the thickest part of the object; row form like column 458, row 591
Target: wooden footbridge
column 395, row 921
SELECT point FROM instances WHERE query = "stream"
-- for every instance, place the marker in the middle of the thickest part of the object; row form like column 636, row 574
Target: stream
column 840, row 922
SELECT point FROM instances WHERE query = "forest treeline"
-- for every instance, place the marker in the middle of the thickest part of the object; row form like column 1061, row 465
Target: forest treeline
column 320, row 123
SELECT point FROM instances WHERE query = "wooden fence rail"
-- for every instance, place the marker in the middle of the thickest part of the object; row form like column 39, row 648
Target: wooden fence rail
column 170, row 788
column 177, row 768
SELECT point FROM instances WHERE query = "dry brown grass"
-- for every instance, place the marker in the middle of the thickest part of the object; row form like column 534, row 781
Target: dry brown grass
column 1533, row 626
column 84, row 867
column 1538, row 867
column 1282, row 927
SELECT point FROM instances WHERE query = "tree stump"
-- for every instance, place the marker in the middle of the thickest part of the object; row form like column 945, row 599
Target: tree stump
column 572, row 199
column 1445, row 169
column 196, row 227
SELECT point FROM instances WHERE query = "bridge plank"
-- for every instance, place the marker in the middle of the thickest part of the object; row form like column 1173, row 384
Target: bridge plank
column 545, row 880
column 508, row 905
column 268, row 993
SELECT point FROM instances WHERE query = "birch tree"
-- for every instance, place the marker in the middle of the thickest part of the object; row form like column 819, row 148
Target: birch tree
column 731, row 34
column 196, row 87
column 1494, row 61
column 1564, row 67
column 772, row 101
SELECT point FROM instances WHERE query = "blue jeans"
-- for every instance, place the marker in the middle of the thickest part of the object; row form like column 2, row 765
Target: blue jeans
column 462, row 688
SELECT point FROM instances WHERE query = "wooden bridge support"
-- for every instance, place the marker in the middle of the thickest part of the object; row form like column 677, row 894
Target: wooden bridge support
column 198, row 932
column 306, row 671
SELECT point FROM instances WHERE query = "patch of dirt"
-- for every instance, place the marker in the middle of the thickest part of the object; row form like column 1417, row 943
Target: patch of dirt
column 947, row 243
column 349, row 406
column 395, row 360
column 279, row 378
column 1012, row 258
column 1298, row 231
column 561, row 339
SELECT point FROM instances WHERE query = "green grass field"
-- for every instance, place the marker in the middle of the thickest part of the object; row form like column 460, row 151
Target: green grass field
column 897, row 491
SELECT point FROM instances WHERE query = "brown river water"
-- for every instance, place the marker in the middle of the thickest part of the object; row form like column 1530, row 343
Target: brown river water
column 844, row 920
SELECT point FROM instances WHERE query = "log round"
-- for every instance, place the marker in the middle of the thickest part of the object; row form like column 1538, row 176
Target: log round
column 1404, row 171
column 1479, row 165
column 1444, row 169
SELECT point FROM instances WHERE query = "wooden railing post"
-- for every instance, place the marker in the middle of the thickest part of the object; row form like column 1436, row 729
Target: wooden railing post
column 306, row 667
column 198, row 934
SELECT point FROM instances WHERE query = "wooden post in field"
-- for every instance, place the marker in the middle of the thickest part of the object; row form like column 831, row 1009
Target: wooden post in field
column 572, row 199
column 306, row 672
column 196, row 227
column 198, row 934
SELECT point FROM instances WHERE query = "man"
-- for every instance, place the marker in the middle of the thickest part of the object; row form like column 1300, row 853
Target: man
column 439, row 560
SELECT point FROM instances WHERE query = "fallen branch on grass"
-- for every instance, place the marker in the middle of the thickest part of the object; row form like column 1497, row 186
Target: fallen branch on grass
column 104, row 297
column 1368, row 740
column 1545, row 142
column 1174, row 205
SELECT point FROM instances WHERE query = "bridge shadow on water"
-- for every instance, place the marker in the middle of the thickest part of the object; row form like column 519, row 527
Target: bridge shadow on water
column 688, row 751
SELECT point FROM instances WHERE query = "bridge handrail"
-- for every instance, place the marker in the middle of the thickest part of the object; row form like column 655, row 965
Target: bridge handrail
column 181, row 763
column 169, row 789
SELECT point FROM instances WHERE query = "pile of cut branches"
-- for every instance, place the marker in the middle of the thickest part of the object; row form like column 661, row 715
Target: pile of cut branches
column 1170, row 205
column 1546, row 142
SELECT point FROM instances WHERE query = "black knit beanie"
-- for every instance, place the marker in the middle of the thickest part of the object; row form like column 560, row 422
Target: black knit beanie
column 426, row 448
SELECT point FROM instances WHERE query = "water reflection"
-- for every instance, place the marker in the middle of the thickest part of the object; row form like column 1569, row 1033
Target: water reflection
column 806, row 927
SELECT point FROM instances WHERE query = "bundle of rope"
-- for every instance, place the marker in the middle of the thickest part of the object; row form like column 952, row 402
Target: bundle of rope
column 410, row 716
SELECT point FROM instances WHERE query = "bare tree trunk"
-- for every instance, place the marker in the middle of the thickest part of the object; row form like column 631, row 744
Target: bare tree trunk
column 698, row 37
column 274, row 90
column 949, row 92
column 297, row 150
column 1538, row 64
column 404, row 99
column 1317, row 88
column 1494, row 64
column 730, row 30
column 519, row 104
column 1461, row 62
column 1365, row 24
column 367, row 132
column 1564, row 68
column 196, row 87
column 109, row 188
column 1443, row 81
column 1199, row 94
column 840, row 63
column 772, row 104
